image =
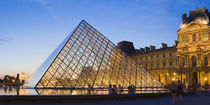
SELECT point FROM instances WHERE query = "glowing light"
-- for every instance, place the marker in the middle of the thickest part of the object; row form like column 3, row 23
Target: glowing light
column 174, row 73
column 167, row 74
column 173, row 79
column 74, row 76
column 201, row 20
column 205, row 79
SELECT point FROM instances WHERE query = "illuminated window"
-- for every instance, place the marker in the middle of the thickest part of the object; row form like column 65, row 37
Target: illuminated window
column 205, row 36
column 194, row 37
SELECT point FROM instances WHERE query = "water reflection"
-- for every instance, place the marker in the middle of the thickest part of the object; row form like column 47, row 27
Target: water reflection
column 9, row 90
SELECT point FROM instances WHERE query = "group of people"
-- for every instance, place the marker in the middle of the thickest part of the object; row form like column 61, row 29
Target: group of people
column 197, row 87
column 114, row 90
column 179, row 88
column 131, row 89
column 206, row 86
column 176, row 89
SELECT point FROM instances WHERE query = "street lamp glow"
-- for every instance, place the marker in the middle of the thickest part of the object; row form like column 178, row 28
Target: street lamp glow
column 205, row 79
column 173, row 79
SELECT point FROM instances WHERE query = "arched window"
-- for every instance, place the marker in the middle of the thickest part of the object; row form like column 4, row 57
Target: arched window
column 184, row 39
column 206, row 60
column 194, row 61
column 194, row 37
column 205, row 36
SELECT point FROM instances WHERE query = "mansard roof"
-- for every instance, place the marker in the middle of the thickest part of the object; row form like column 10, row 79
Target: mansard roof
column 198, row 15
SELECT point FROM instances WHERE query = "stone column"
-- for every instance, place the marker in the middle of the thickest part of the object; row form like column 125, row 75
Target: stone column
column 209, row 59
column 190, row 61
column 186, row 65
column 198, row 60
column 178, row 61
column 186, row 61
column 182, row 63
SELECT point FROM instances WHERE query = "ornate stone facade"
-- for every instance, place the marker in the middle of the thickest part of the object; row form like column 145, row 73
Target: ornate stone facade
column 189, row 59
column 193, row 50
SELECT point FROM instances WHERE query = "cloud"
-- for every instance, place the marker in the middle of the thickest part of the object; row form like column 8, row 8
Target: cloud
column 2, row 41
column 44, row 3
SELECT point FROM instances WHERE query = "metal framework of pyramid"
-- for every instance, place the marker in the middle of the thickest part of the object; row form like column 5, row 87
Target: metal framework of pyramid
column 87, row 58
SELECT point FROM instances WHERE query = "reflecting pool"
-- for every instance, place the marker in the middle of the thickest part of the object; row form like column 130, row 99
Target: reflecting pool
column 28, row 91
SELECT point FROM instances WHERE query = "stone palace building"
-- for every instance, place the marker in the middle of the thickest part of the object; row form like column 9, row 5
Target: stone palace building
column 188, row 60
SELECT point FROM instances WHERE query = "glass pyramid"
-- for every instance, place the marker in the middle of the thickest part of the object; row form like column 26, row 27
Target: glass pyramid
column 87, row 58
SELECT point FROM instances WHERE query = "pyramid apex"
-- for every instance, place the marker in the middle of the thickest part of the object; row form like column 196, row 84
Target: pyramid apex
column 83, row 20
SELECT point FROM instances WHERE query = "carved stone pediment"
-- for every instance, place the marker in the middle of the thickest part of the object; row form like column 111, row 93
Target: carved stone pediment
column 192, row 27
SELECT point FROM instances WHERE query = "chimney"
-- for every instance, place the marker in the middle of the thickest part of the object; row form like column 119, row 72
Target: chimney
column 147, row 49
column 142, row 49
column 164, row 45
column 152, row 47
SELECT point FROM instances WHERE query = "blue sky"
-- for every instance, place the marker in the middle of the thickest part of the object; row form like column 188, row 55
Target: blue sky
column 31, row 29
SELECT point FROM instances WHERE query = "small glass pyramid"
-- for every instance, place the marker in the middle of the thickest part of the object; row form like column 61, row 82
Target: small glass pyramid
column 87, row 58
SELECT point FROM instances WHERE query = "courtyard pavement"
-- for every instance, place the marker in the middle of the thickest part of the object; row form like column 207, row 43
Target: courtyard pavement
column 202, row 99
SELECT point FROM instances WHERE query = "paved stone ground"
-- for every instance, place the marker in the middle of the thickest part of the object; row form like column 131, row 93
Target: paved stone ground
column 202, row 99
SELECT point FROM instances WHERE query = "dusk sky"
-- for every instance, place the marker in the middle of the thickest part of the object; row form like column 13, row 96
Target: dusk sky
column 31, row 29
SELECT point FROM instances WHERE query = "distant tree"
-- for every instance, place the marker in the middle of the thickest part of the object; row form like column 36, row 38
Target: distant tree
column 9, row 80
column 6, row 79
